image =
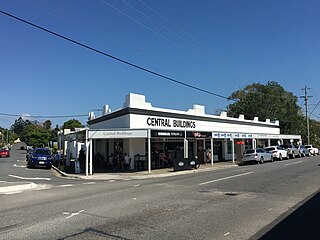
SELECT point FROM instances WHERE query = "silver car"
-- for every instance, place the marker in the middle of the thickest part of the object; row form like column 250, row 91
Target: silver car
column 257, row 155
column 292, row 150
column 303, row 151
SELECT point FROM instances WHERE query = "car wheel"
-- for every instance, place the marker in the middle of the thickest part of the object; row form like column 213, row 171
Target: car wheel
column 261, row 160
column 271, row 159
column 280, row 157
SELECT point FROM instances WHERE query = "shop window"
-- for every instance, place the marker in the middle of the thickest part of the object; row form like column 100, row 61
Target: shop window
column 229, row 147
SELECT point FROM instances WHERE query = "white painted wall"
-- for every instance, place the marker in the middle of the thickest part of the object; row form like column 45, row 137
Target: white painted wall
column 136, row 146
column 120, row 122
column 140, row 121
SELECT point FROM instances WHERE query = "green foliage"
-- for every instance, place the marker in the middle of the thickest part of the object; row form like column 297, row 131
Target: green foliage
column 47, row 125
column 72, row 124
column 20, row 124
column 314, row 127
column 33, row 133
column 36, row 136
column 268, row 101
column 7, row 136
column 39, row 135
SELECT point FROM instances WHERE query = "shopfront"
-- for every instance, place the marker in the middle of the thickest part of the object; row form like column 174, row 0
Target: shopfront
column 155, row 137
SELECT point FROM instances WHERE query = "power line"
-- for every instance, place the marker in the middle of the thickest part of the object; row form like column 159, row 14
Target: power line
column 116, row 58
column 214, row 52
column 40, row 116
column 164, row 27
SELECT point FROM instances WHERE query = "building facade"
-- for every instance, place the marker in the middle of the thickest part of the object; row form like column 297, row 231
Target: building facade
column 154, row 137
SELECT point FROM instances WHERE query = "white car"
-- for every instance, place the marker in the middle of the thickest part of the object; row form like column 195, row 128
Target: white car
column 277, row 152
column 257, row 155
column 312, row 150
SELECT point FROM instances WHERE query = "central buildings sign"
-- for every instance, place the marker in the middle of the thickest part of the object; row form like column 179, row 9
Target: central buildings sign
column 166, row 122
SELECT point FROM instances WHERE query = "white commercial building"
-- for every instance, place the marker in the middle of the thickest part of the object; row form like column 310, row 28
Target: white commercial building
column 153, row 137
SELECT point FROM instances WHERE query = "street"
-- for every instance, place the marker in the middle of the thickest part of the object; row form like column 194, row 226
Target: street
column 233, row 203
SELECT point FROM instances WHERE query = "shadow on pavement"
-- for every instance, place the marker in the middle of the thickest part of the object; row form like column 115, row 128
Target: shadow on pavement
column 302, row 222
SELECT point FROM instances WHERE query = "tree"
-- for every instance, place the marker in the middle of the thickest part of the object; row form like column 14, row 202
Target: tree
column 314, row 133
column 72, row 124
column 47, row 125
column 19, row 125
column 269, row 101
column 36, row 136
column 6, row 136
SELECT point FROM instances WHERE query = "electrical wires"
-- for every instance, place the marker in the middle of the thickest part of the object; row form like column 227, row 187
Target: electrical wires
column 116, row 58
column 46, row 117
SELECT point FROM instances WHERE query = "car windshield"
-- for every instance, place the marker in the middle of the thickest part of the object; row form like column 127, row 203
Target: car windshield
column 42, row 151
column 269, row 149
column 250, row 151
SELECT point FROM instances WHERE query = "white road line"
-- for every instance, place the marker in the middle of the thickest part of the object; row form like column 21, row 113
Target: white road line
column 25, row 178
column 66, row 185
column 9, row 193
column 288, row 164
column 21, row 161
column 15, row 165
column 225, row 178
column 72, row 214
column 88, row 183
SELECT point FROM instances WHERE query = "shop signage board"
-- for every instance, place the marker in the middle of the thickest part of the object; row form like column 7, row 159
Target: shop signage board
column 224, row 135
column 276, row 136
column 170, row 123
column 199, row 134
column 167, row 134
column 101, row 134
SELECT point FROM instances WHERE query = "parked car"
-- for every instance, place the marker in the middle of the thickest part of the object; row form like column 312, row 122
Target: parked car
column 258, row 155
column 303, row 151
column 29, row 153
column 277, row 152
column 40, row 157
column 313, row 150
column 4, row 152
column 292, row 150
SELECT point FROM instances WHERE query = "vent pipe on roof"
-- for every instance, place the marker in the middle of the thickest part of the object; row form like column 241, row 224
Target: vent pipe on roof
column 106, row 110
column 91, row 116
column 223, row 114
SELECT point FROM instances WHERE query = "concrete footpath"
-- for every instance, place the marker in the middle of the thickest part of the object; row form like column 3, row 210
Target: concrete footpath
column 157, row 173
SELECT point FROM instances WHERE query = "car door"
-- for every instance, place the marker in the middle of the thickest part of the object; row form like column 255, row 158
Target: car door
column 267, row 155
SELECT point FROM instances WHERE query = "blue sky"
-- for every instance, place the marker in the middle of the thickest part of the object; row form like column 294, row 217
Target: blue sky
column 218, row 45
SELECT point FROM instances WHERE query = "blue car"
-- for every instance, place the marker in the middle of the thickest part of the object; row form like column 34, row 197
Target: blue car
column 41, row 157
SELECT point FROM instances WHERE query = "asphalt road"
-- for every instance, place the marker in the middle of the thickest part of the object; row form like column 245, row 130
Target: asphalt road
column 235, row 203
column 14, row 170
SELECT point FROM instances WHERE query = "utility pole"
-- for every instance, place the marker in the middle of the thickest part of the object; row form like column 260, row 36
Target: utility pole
column 306, row 97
